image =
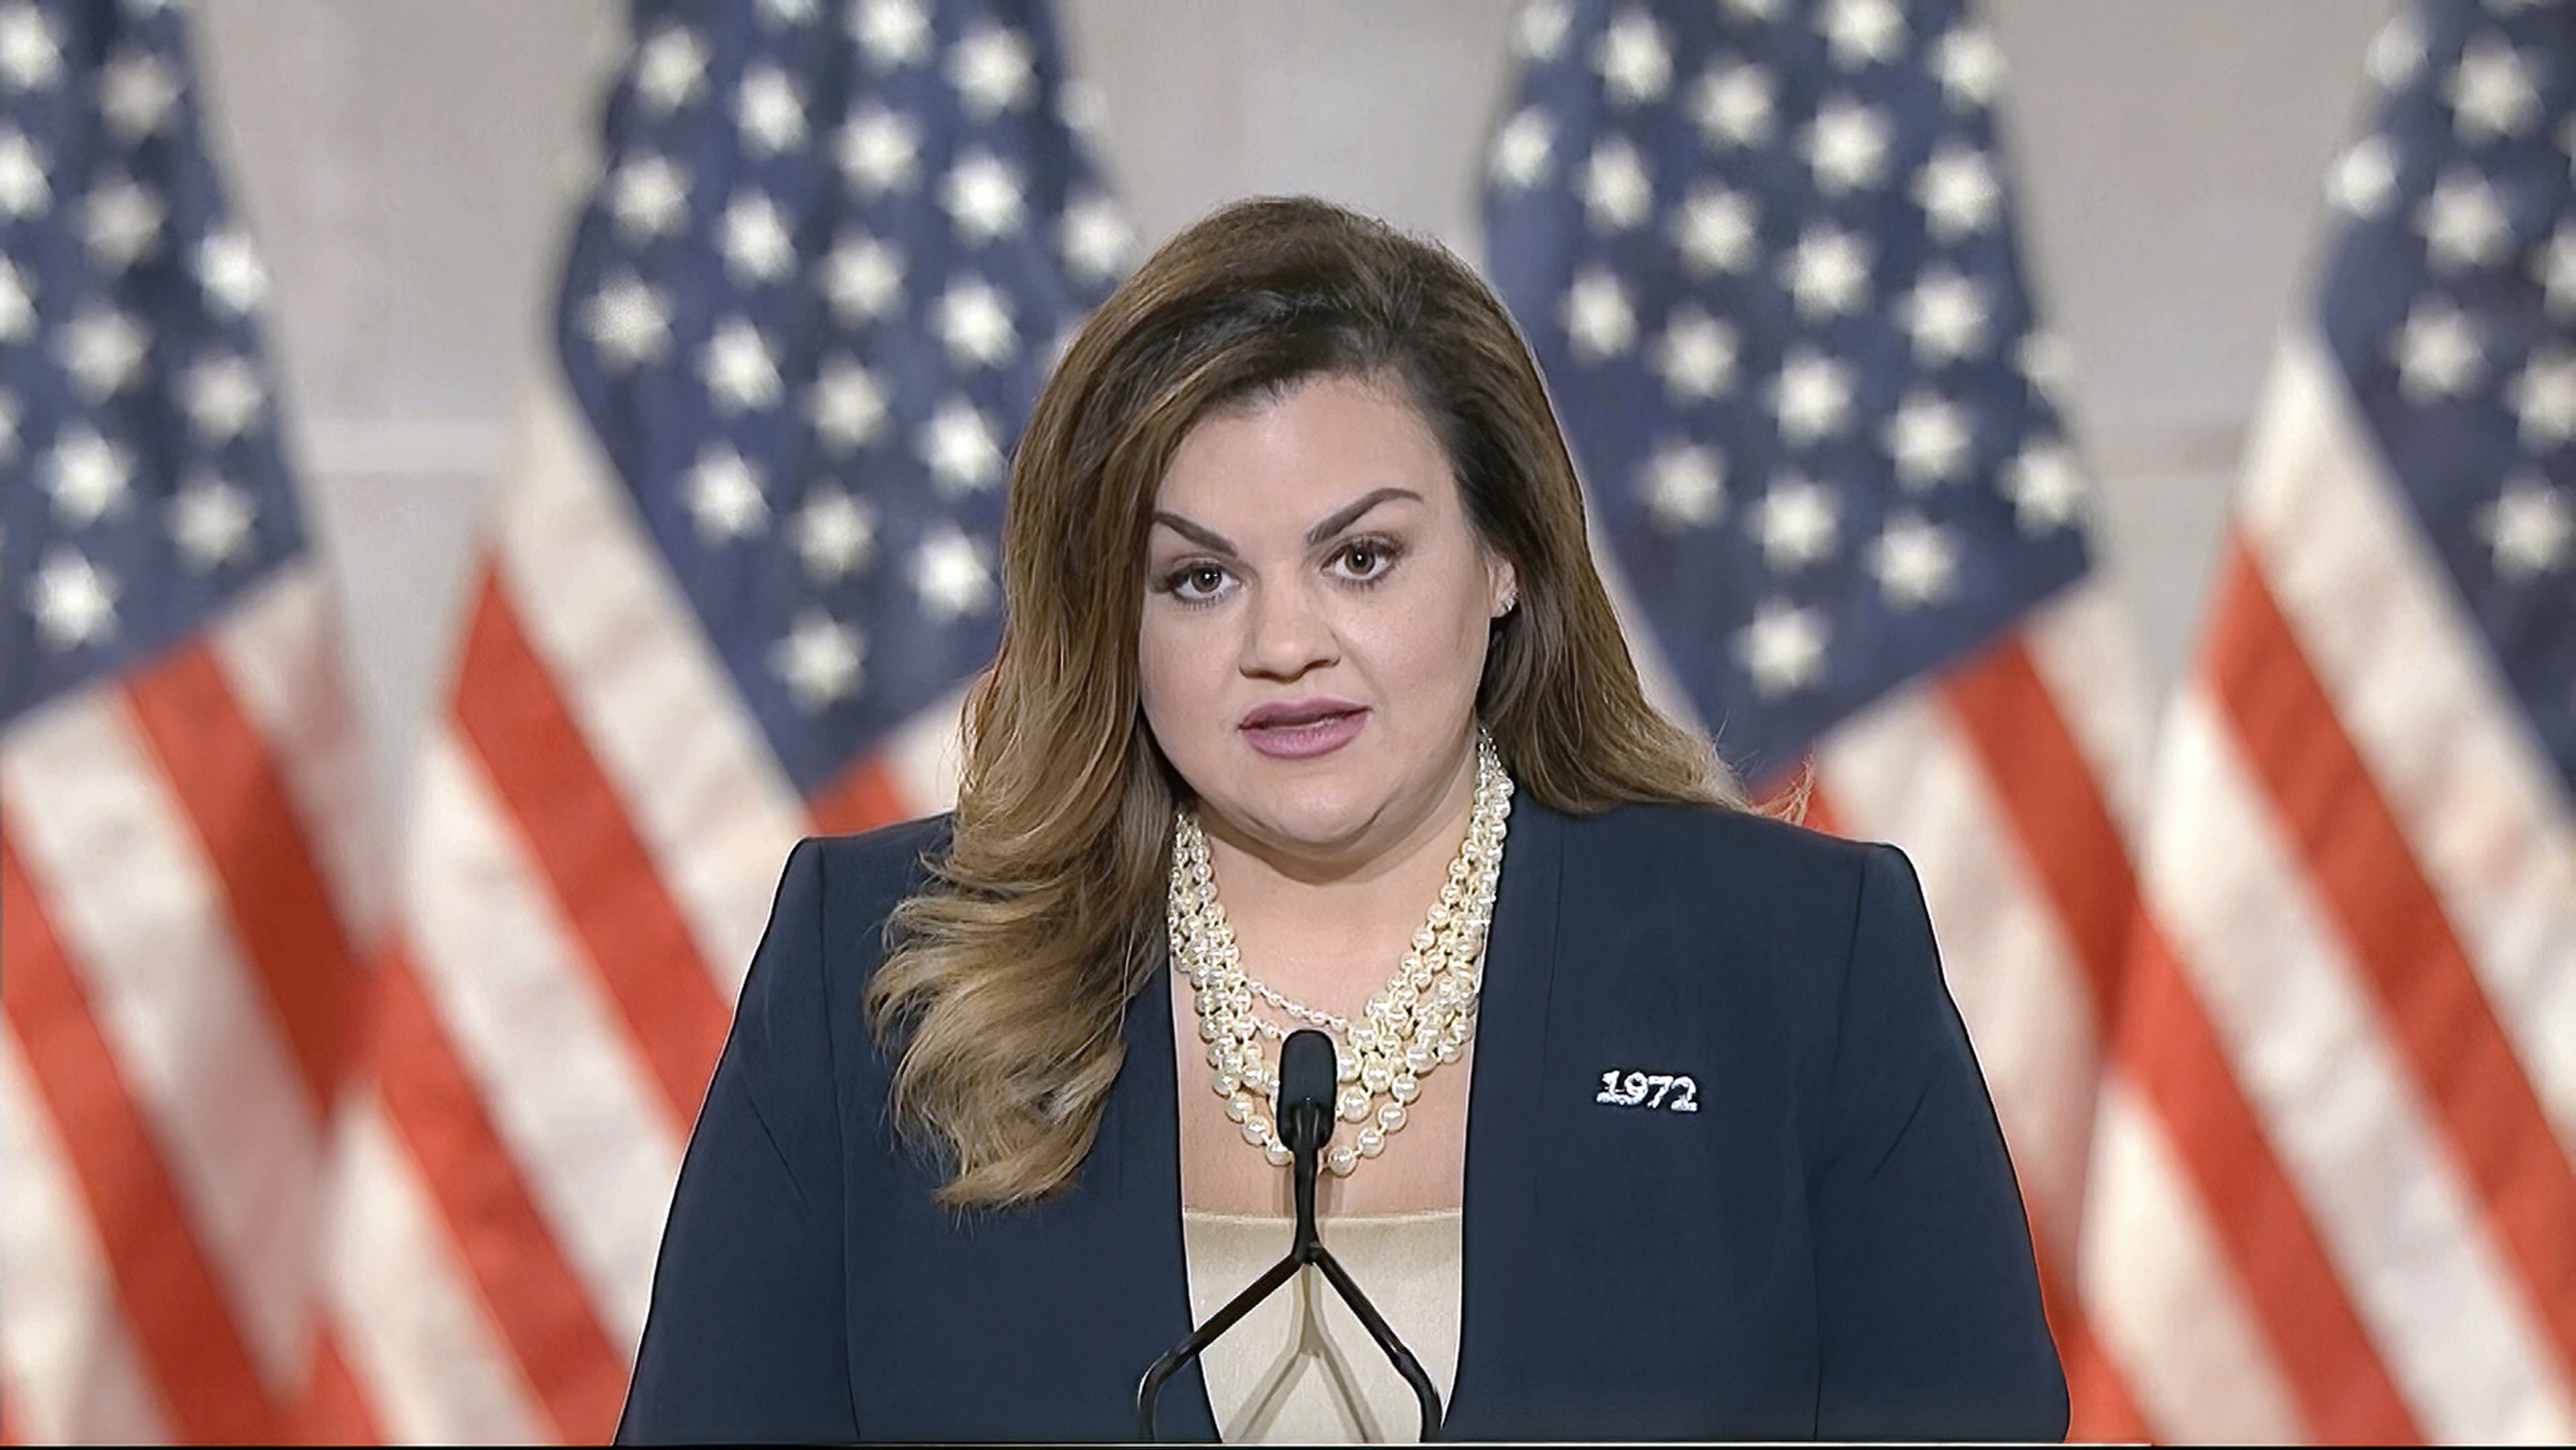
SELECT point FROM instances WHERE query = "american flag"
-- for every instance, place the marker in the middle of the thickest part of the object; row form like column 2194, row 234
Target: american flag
column 731, row 597
column 2362, row 854
column 183, row 855
column 1765, row 252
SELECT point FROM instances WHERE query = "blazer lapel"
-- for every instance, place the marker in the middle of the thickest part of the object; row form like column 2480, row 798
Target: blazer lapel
column 1504, row 1157
column 1146, row 1100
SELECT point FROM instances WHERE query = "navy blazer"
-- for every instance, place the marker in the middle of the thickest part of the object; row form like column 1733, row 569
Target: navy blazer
column 1831, row 1246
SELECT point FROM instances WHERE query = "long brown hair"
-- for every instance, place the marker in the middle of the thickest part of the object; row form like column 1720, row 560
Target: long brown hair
column 1008, row 977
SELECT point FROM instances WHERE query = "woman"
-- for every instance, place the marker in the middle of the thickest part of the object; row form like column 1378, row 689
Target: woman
column 1658, row 1121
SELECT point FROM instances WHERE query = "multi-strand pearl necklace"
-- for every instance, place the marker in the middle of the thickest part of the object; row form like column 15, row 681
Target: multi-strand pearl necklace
column 1422, row 1017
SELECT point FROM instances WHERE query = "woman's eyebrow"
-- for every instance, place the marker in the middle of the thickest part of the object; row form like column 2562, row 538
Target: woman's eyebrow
column 1344, row 518
column 1199, row 534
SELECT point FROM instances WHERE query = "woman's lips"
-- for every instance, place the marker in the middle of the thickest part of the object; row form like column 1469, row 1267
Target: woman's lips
column 1300, row 734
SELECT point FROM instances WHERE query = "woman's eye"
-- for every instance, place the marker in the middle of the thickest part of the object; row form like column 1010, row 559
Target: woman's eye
column 1195, row 581
column 1365, row 559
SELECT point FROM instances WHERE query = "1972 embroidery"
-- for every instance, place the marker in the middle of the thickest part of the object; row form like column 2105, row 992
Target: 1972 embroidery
column 1673, row 1092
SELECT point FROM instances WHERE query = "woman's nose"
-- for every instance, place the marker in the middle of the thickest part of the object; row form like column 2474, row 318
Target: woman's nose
column 1285, row 633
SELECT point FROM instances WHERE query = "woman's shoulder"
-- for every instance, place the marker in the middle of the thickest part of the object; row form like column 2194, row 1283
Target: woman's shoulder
column 901, row 851
column 1742, row 842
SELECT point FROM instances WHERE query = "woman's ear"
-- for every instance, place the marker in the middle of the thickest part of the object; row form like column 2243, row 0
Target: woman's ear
column 1506, row 588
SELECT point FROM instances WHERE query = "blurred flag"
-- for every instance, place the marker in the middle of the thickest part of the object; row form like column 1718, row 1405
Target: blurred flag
column 2362, row 853
column 743, row 568
column 1766, row 255
column 181, row 781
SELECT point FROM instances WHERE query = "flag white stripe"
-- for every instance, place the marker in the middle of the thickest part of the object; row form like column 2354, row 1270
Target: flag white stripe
column 2450, row 1322
column 278, row 654
column 143, row 922
column 662, row 718
column 513, row 988
column 926, row 755
column 1899, row 772
column 417, row 1338
column 2163, row 1298
column 2486, row 817
column 72, row 1370
column 2081, row 647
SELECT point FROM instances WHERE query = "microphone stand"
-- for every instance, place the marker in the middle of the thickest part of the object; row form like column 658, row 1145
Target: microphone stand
column 1305, row 1109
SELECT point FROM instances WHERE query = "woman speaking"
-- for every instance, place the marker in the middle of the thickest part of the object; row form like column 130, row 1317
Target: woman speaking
column 1655, row 1117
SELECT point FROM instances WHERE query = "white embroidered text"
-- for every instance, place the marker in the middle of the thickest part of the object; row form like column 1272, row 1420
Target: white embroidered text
column 1673, row 1092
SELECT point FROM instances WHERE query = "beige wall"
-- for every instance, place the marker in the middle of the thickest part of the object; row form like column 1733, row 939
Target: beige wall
column 408, row 168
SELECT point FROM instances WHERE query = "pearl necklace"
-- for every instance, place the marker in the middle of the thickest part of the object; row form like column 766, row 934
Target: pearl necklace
column 1421, row 1018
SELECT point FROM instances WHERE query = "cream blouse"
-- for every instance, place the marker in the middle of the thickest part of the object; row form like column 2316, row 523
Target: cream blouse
column 1300, row 1368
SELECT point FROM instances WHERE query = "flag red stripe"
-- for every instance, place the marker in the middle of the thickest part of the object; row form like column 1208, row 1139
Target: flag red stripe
column 216, row 763
column 865, row 796
column 534, row 1297
column 2073, row 846
column 2395, row 929
column 600, row 872
column 2167, row 1046
column 335, row 1409
column 211, row 1387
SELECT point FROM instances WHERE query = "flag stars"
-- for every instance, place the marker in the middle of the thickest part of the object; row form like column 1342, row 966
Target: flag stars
column 836, row 536
column 2395, row 54
column 1635, row 64
column 1958, row 192
column 1599, row 320
column 228, row 268
column 88, row 477
column 738, row 368
column 846, row 405
column 2555, row 269
column 23, row 188
column 974, row 323
column 1523, row 150
column 628, row 322
column 1697, row 356
column 649, row 197
column 2464, row 224
column 982, row 196
column 2437, row 352
column 958, row 445
column 724, row 497
column 1828, row 273
column 2543, row 396
column 2531, row 529
column 2365, row 178
column 17, row 305
column 1929, row 440
column 223, row 396
column 769, row 113
column 1734, row 106
column 1684, row 487
column 755, row 242
column 31, row 58
column 136, row 93
column 102, row 349
column 1096, row 238
column 1969, row 66
column 210, row 521
column 1617, row 192
column 861, row 279
column 2491, row 93
column 1714, row 230
column 1915, row 562
column 2045, row 487
column 1796, row 524
column 670, row 69
column 1847, row 148
column 879, row 151
column 1863, row 32
column 950, row 577
column 892, row 32
column 1946, row 316
column 1783, row 649
column 121, row 222
column 993, row 72
column 1812, row 397
column 1539, row 33
column 74, row 603
column 819, row 660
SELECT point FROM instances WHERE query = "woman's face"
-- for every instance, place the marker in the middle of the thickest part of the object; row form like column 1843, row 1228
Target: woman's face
column 1314, row 627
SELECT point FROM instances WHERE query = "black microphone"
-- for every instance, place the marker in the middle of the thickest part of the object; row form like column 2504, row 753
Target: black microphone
column 1304, row 1112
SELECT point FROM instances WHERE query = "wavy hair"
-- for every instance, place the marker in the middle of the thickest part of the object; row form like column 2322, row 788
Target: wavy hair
column 1007, row 979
